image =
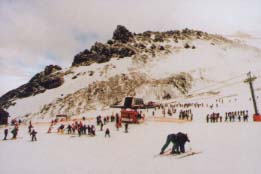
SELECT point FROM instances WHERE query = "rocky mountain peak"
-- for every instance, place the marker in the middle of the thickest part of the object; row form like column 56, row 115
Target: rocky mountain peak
column 48, row 79
column 122, row 34
column 51, row 69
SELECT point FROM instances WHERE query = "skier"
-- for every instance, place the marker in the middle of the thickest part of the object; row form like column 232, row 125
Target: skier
column 104, row 121
column 30, row 128
column 170, row 138
column 79, row 131
column 61, row 129
column 107, row 132
column 6, row 133
column 50, row 129
column 14, row 132
column 182, row 138
column 89, row 129
column 33, row 134
column 220, row 119
column 101, row 126
column 84, row 129
column 69, row 128
column 178, row 141
column 92, row 129
column 207, row 118
column 126, row 127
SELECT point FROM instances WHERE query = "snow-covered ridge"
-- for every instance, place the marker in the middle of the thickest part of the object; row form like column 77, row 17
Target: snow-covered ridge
column 206, row 58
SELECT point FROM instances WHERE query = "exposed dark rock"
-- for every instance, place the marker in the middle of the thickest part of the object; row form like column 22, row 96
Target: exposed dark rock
column 101, row 53
column 110, row 42
column 147, row 34
column 167, row 96
column 158, row 38
column 141, row 46
column 126, row 44
column 47, row 79
column 85, row 58
column 122, row 34
column 3, row 116
column 51, row 69
column 91, row 73
column 153, row 47
column 51, row 82
column 186, row 45
column 161, row 48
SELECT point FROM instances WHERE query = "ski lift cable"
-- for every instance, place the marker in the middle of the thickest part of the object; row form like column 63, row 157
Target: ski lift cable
column 220, row 82
column 221, row 87
column 224, row 85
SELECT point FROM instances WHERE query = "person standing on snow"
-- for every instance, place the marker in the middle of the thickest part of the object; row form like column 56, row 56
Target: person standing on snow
column 14, row 132
column 33, row 134
column 126, row 127
column 107, row 133
column 101, row 126
column 5, row 133
column 30, row 128
column 69, row 128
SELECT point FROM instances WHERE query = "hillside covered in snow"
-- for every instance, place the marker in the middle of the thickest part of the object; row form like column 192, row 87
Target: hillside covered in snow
column 157, row 66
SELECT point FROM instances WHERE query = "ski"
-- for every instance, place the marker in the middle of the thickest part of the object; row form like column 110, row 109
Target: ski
column 166, row 153
column 178, row 156
column 187, row 154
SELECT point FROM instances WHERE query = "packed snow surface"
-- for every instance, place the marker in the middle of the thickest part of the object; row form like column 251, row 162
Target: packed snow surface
column 226, row 148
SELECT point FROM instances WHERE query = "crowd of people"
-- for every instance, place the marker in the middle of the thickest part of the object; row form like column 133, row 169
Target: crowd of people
column 14, row 131
column 80, row 128
column 186, row 114
column 229, row 117
column 183, row 111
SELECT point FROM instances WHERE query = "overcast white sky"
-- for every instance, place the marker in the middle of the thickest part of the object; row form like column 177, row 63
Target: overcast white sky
column 36, row 33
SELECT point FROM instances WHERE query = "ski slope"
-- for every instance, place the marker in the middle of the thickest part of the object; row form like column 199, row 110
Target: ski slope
column 226, row 148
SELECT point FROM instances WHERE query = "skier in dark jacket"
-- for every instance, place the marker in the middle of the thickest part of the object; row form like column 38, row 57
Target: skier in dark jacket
column 126, row 127
column 14, row 132
column 30, row 128
column 101, row 126
column 170, row 138
column 178, row 141
column 33, row 134
column 107, row 133
column 181, row 141
column 6, row 133
column 69, row 128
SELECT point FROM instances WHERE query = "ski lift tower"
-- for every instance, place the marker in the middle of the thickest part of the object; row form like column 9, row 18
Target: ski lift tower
column 250, row 79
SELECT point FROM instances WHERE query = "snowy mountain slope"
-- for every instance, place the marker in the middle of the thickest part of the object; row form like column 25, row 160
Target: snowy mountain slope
column 175, row 67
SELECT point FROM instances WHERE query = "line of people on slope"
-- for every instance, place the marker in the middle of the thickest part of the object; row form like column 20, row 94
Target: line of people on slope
column 15, row 130
column 186, row 114
column 229, row 117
